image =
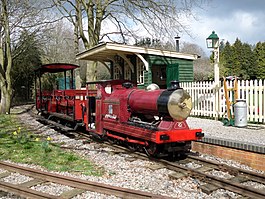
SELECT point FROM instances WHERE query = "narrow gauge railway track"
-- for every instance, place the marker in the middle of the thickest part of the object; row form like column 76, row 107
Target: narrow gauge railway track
column 78, row 184
column 233, row 184
column 213, row 183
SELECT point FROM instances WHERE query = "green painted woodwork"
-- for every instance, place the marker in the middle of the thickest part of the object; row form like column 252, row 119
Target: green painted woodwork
column 176, row 69
column 141, row 86
column 147, row 78
column 185, row 67
column 172, row 73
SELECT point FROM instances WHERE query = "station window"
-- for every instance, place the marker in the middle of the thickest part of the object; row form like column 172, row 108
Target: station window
column 140, row 72
column 117, row 72
column 127, row 71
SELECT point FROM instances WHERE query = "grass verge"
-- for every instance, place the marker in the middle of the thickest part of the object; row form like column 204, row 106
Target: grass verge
column 20, row 145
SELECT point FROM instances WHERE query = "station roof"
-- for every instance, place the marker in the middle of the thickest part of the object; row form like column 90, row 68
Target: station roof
column 105, row 52
column 56, row 67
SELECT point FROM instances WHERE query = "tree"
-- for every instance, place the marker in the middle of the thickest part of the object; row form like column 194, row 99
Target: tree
column 16, row 16
column 259, row 52
column 202, row 67
column 238, row 59
column 192, row 49
column 248, row 66
column 22, row 73
column 226, row 59
column 5, row 60
column 160, row 18
column 59, row 44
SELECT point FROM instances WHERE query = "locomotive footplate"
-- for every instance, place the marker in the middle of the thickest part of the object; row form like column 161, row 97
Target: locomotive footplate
column 158, row 137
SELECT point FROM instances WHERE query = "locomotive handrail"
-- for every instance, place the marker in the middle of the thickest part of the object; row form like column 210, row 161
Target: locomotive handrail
column 110, row 81
column 58, row 98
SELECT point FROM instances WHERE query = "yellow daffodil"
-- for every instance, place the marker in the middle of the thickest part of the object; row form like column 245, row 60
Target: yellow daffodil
column 37, row 139
column 19, row 128
column 14, row 133
column 49, row 138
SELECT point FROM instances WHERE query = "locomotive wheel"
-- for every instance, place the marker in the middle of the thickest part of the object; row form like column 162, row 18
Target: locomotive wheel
column 132, row 146
column 151, row 150
column 112, row 141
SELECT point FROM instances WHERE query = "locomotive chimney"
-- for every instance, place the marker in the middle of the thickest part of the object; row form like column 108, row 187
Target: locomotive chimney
column 174, row 85
column 177, row 43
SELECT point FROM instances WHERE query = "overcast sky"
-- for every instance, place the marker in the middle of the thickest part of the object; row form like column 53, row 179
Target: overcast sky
column 230, row 19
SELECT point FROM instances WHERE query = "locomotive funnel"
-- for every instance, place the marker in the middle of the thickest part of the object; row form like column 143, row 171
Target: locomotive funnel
column 179, row 105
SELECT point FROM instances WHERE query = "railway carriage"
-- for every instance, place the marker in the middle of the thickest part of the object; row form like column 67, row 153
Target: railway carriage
column 60, row 104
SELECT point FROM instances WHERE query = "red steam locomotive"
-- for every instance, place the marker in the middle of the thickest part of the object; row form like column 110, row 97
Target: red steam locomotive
column 152, row 120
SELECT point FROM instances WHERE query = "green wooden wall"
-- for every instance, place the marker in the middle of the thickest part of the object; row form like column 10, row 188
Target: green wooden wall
column 185, row 73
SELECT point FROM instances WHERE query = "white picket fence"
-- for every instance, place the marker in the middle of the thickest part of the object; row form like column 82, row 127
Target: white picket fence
column 208, row 99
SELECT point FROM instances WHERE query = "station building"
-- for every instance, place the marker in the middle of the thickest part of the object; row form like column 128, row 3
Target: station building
column 142, row 65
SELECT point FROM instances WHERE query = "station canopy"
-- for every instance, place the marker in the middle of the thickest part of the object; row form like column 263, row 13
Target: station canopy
column 55, row 68
column 106, row 52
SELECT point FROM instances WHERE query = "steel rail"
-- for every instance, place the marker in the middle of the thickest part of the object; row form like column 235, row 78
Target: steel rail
column 219, row 182
column 24, row 191
column 81, row 184
column 250, row 174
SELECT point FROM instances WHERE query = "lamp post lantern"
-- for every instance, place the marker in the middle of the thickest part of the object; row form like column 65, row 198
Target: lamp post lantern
column 213, row 42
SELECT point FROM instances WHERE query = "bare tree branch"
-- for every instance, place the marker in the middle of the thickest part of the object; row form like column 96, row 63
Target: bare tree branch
column 159, row 18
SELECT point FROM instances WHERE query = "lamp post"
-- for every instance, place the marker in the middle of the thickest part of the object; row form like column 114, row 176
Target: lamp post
column 213, row 42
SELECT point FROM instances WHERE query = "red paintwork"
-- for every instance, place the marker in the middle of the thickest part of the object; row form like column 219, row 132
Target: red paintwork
column 175, row 135
column 141, row 101
column 114, row 110
column 65, row 102
column 56, row 67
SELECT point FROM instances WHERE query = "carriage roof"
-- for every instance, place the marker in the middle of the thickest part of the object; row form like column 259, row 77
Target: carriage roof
column 55, row 68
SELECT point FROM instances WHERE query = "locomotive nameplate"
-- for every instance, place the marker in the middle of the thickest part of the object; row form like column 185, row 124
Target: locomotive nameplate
column 108, row 116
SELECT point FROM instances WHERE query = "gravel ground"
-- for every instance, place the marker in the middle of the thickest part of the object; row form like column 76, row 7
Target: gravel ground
column 211, row 128
column 16, row 178
column 2, row 170
column 54, row 189
column 93, row 195
column 254, row 185
column 130, row 174
column 192, row 165
column 220, row 174
column 9, row 196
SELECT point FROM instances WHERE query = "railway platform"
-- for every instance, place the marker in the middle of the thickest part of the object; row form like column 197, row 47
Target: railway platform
column 245, row 145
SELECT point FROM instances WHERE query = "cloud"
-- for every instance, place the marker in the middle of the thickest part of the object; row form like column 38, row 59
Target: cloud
column 248, row 26
column 243, row 19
